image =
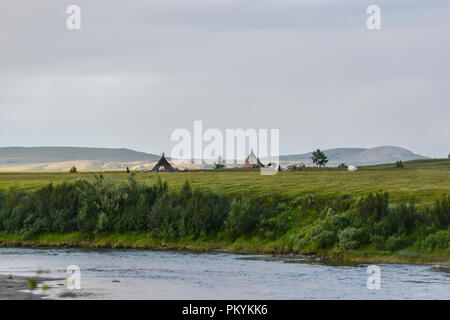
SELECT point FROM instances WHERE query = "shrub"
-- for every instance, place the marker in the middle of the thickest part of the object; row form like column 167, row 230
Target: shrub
column 73, row 170
column 241, row 219
column 438, row 240
column 371, row 209
column 439, row 214
column 276, row 226
column 271, row 235
column 397, row 242
column 340, row 221
column 378, row 240
column 323, row 237
column 402, row 219
column 103, row 223
column 349, row 238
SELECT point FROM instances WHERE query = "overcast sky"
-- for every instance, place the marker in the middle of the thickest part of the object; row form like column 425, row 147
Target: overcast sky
column 137, row 70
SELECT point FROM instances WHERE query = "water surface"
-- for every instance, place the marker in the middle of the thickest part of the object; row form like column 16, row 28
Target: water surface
column 142, row 274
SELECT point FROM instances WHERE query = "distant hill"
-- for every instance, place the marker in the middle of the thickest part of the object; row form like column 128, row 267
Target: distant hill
column 59, row 158
column 358, row 156
column 63, row 158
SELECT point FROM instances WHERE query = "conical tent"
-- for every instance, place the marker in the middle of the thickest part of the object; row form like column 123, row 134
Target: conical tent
column 163, row 163
column 252, row 161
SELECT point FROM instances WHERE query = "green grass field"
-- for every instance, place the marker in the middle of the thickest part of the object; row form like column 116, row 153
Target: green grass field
column 422, row 180
column 399, row 233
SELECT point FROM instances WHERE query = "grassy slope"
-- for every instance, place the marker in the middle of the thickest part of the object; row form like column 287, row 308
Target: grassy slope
column 422, row 180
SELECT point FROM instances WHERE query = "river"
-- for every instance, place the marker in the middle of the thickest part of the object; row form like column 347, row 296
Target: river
column 142, row 274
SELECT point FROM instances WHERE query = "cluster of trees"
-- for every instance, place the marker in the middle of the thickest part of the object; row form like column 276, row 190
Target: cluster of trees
column 308, row 222
column 73, row 170
column 106, row 205
column 399, row 164
column 372, row 221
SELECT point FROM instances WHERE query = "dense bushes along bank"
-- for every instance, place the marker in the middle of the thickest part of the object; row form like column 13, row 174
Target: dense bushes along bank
column 309, row 223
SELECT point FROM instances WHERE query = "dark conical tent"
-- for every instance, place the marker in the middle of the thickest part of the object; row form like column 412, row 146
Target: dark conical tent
column 163, row 163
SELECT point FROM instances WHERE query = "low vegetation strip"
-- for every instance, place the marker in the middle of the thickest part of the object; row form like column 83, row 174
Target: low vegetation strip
column 134, row 213
column 423, row 181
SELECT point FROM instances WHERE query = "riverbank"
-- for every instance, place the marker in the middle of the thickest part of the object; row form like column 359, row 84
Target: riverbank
column 143, row 241
column 13, row 287
column 108, row 213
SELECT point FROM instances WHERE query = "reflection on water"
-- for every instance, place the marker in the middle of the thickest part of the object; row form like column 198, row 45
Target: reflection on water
column 302, row 259
column 140, row 274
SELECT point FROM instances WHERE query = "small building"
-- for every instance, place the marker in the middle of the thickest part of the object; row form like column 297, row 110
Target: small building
column 163, row 165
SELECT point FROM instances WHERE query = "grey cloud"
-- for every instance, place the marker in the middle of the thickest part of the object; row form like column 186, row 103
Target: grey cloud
column 138, row 70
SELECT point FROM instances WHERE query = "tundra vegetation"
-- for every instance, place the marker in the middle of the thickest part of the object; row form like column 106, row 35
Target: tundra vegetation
column 108, row 212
